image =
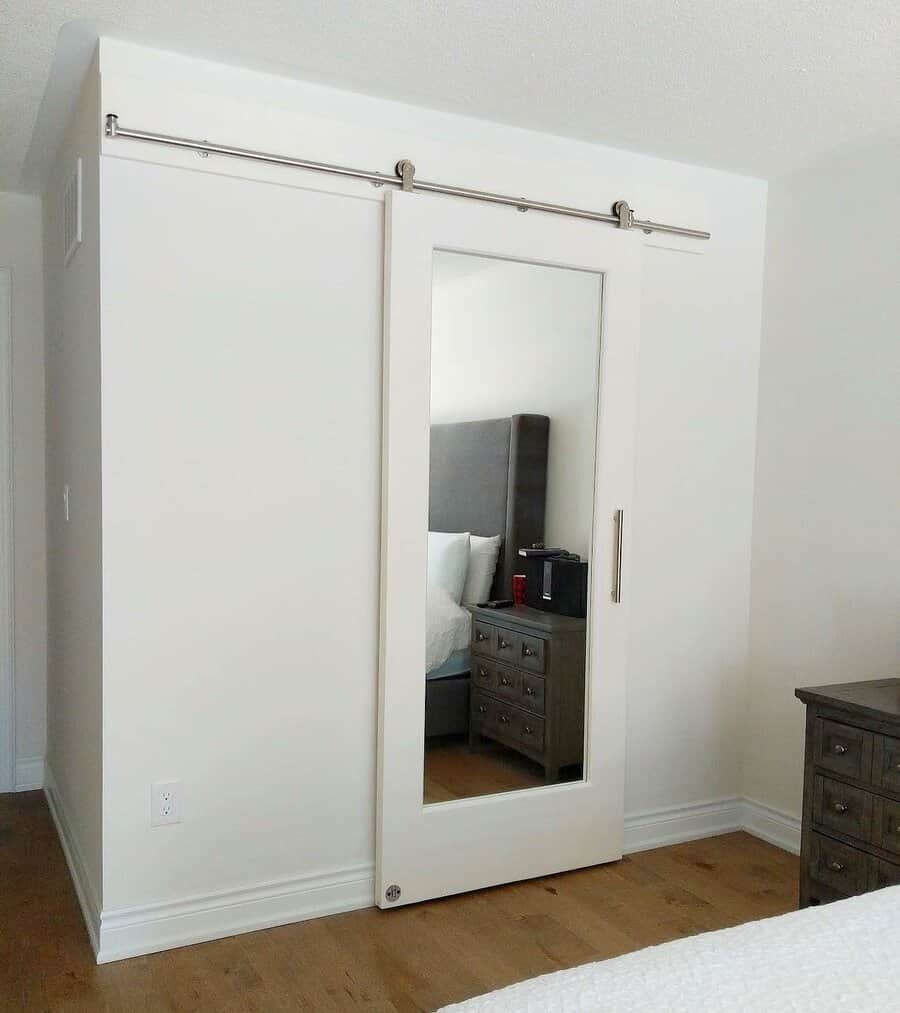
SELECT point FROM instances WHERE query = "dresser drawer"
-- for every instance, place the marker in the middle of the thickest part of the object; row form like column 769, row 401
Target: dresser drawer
column 533, row 692
column 840, row 807
column 484, row 674
column 886, row 825
column 886, row 763
column 532, row 653
column 843, row 749
column 883, row 874
column 508, row 683
column 507, row 645
column 482, row 638
column 507, row 723
column 838, row 866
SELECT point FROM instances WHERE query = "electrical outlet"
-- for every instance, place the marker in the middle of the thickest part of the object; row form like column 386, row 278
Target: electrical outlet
column 165, row 803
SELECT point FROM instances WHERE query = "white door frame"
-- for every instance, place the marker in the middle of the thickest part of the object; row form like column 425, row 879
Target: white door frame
column 7, row 646
column 450, row 847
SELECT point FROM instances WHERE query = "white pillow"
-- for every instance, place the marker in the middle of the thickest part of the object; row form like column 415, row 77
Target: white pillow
column 483, row 553
column 448, row 561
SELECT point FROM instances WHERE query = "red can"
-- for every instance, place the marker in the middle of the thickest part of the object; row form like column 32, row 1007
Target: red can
column 518, row 588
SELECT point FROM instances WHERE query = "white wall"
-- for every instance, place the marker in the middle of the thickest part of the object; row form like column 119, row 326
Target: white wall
column 214, row 673
column 74, row 689
column 20, row 251
column 509, row 338
column 826, row 545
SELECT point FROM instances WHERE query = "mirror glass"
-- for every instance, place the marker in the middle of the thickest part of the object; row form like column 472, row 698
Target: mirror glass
column 515, row 360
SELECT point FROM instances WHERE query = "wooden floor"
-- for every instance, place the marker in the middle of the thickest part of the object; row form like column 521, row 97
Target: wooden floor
column 415, row 958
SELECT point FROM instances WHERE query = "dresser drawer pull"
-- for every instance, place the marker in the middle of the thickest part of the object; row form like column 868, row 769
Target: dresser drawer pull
column 836, row 866
column 529, row 691
column 483, row 673
column 897, row 767
column 504, row 681
column 528, row 730
column 504, row 719
column 840, row 807
column 482, row 708
column 503, row 645
column 528, row 652
column 480, row 637
column 839, row 749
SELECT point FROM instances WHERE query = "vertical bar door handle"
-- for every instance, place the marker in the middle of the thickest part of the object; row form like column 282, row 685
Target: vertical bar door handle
column 617, row 576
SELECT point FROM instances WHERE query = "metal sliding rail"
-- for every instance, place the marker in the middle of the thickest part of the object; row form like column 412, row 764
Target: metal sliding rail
column 622, row 216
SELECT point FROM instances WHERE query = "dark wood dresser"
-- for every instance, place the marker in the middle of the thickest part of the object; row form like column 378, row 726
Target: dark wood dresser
column 851, row 791
column 527, row 684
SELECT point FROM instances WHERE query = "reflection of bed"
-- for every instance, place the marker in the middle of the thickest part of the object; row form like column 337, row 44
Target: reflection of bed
column 840, row 956
column 487, row 477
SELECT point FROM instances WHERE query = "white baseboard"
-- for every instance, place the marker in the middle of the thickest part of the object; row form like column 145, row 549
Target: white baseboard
column 131, row 932
column 29, row 773
column 772, row 825
column 87, row 895
column 677, row 824
column 661, row 827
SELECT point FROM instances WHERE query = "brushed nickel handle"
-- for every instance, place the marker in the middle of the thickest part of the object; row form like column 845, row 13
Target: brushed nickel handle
column 504, row 681
column 482, row 708
column 504, row 719
column 839, row 749
column 483, row 673
column 528, row 652
column 503, row 644
column 529, row 691
column 897, row 767
column 836, row 866
column 617, row 571
column 528, row 729
column 840, row 807
column 480, row 637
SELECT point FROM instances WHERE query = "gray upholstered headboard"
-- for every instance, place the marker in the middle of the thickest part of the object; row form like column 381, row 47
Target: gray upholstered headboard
column 490, row 478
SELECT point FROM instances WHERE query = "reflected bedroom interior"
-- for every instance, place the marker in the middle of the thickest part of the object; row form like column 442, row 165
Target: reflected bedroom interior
column 514, row 384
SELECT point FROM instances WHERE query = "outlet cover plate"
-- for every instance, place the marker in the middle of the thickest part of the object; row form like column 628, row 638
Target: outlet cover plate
column 165, row 803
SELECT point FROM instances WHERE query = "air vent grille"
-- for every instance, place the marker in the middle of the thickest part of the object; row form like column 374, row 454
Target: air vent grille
column 72, row 213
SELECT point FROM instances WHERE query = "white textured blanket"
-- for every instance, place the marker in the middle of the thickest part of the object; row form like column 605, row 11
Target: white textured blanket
column 843, row 956
column 448, row 627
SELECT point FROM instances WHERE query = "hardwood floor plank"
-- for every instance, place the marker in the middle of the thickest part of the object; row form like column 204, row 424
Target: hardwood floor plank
column 410, row 960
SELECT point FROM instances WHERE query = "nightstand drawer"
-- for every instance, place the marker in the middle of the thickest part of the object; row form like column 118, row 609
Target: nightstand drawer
column 843, row 749
column 886, row 825
column 886, row 763
column 507, row 723
column 840, row 807
column 507, row 645
column 838, row 865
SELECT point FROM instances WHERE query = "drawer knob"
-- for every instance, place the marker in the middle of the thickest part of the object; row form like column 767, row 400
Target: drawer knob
column 504, row 719
column 840, row 807
column 897, row 767
column 528, row 730
column 839, row 749
column 504, row 681
column 483, row 673
column 503, row 644
column 482, row 708
column 480, row 637
column 529, row 691
column 836, row 866
column 528, row 652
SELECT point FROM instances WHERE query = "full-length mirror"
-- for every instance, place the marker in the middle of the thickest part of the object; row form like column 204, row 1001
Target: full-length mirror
column 515, row 352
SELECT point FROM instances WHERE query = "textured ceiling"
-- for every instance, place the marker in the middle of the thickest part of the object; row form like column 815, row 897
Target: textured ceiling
column 755, row 86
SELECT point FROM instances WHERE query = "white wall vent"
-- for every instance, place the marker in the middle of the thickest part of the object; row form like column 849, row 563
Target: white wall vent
column 72, row 213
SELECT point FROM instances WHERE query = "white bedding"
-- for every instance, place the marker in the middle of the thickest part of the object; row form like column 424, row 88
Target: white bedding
column 843, row 956
column 448, row 626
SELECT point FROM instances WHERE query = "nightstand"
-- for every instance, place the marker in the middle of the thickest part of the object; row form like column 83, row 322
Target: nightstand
column 527, row 684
